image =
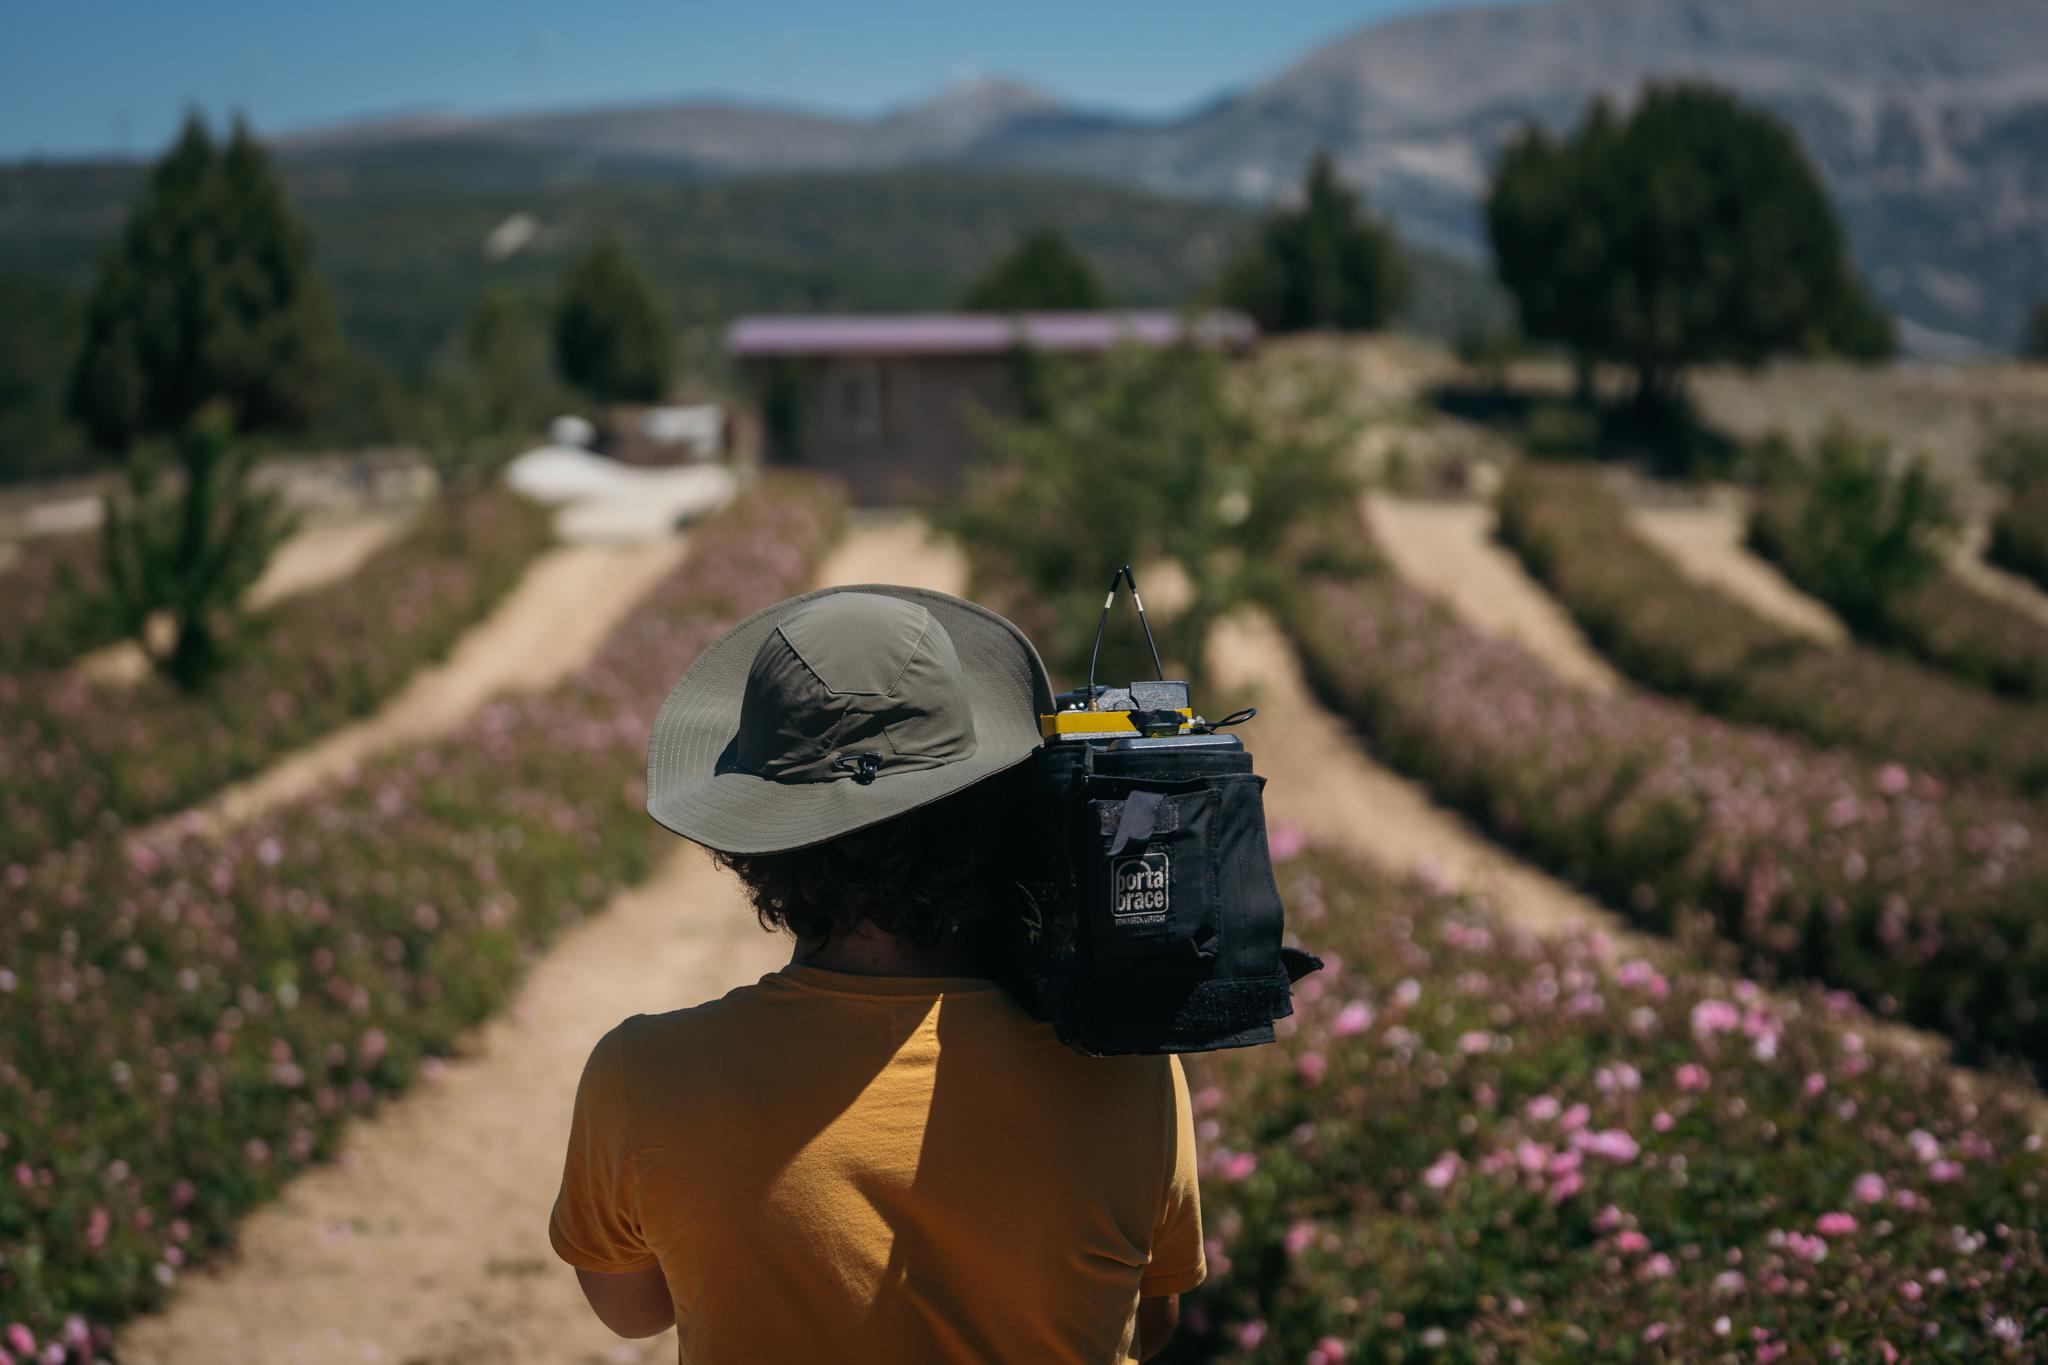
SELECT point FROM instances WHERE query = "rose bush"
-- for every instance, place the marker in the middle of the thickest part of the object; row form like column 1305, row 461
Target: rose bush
column 1922, row 898
column 2019, row 534
column 79, row 758
column 184, row 1024
column 50, row 618
column 1942, row 621
column 1474, row 1144
column 1682, row 637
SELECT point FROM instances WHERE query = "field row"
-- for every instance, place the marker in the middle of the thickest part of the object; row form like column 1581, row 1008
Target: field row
column 178, row 1053
column 1921, row 898
column 82, row 757
column 1675, row 635
column 1475, row 1142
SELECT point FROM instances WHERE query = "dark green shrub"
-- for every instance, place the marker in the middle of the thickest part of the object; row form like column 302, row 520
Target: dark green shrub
column 1682, row 637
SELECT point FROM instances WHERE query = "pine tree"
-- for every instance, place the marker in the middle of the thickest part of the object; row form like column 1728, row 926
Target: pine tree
column 1693, row 230
column 206, row 322
column 1043, row 273
column 2034, row 345
column 1323, row 265
column 613, row 337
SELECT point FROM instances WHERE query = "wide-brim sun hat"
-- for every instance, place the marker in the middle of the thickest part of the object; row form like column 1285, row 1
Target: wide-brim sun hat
column 838, row 710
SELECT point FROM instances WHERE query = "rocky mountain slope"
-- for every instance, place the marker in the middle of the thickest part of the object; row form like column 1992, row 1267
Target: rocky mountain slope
column 1929, row 119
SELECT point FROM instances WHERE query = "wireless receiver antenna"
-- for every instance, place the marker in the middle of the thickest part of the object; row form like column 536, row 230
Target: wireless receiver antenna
column 1122, row 575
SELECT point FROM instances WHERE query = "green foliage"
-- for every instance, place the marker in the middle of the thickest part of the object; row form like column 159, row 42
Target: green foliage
column 1323, row 265
column 1869, row 539
column 2034, row 342
column 80, row 758
column 613, row 336
column 1863, row 530
column 1691, row 230
column 477, row 413
column 190, row 550
column 39, row 331
column 1475, row 1144
column 2019, row 534
column 192, row 1021
column 206, row 321
column 1143, row 457
column 208, row 296
column 57, row 604
column 1683, row 637
column 1043, row 273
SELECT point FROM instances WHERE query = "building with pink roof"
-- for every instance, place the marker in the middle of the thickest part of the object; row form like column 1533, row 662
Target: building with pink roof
column 889, row 402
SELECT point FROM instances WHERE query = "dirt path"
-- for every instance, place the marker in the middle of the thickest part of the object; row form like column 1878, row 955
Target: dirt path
column 1448, row 550
column 560, row 611
column 1320, row 777
column 1993, row 581
column 1706, row 541
column 426, row 1244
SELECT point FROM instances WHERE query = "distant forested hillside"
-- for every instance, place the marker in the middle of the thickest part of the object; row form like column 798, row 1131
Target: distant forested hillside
column 406, row 240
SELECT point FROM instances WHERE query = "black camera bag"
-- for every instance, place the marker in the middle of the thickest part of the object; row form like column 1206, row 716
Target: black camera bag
column 1151, row 922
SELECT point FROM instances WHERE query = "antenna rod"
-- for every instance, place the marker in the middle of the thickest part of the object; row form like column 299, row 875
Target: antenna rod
column 1158, row 669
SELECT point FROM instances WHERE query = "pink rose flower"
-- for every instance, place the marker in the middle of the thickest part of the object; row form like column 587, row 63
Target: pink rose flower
column 1354, row 1018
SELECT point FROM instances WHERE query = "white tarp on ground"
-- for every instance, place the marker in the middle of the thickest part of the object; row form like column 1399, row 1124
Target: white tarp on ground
column 698, row 428
column 602, row 499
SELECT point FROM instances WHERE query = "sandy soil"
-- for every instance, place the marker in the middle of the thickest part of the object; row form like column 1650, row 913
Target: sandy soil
column 319, row 553
column 546, row 627
column 1448, row 550
column 1320, row 777
column 427, row 1242
column 1705, row 540
column 1993, row 581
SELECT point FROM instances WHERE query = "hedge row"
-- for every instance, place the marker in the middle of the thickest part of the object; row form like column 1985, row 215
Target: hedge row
column 1944, row 621
column 2019, row 535
column 1922, row 899
column 184, row 1027
column 1474, row 1145
column 50, row 618
column 80, row 758
column 1682, row 637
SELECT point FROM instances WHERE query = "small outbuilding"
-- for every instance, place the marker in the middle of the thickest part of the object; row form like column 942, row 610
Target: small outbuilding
column 888, row 402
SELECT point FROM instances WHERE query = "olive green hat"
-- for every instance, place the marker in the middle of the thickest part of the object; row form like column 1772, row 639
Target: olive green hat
column 838, row 710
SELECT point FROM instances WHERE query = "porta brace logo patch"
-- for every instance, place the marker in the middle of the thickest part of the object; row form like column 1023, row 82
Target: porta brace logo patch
column 1138, row 889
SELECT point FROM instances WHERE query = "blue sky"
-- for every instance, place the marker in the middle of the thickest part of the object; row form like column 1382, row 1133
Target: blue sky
column 93, row 76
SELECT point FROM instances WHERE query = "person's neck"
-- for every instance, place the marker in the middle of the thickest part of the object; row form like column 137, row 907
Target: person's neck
column 866, row 951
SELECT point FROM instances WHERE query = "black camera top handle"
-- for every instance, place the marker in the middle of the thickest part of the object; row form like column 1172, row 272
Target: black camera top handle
column 1122, row 575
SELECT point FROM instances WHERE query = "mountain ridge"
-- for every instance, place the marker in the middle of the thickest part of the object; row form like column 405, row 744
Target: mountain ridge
column 1927, row 119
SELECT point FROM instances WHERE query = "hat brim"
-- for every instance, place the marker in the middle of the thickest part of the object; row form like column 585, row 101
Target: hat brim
column 693, row 789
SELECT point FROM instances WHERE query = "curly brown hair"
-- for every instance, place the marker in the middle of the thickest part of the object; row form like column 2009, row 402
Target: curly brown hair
column 925, row 878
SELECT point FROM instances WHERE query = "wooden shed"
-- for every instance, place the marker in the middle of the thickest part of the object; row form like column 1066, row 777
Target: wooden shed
column 887, row 401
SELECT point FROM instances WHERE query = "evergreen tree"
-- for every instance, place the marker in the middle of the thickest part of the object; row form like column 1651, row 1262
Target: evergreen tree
column 205, row 323
column 1043, row 273
column 476, row 412
column 2034, row 345
column 1322, row 265
column 1692, row 230
column 613, row 337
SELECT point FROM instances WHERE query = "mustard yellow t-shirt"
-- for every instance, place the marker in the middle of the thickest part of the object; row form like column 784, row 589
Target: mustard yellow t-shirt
column 831, row 1167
